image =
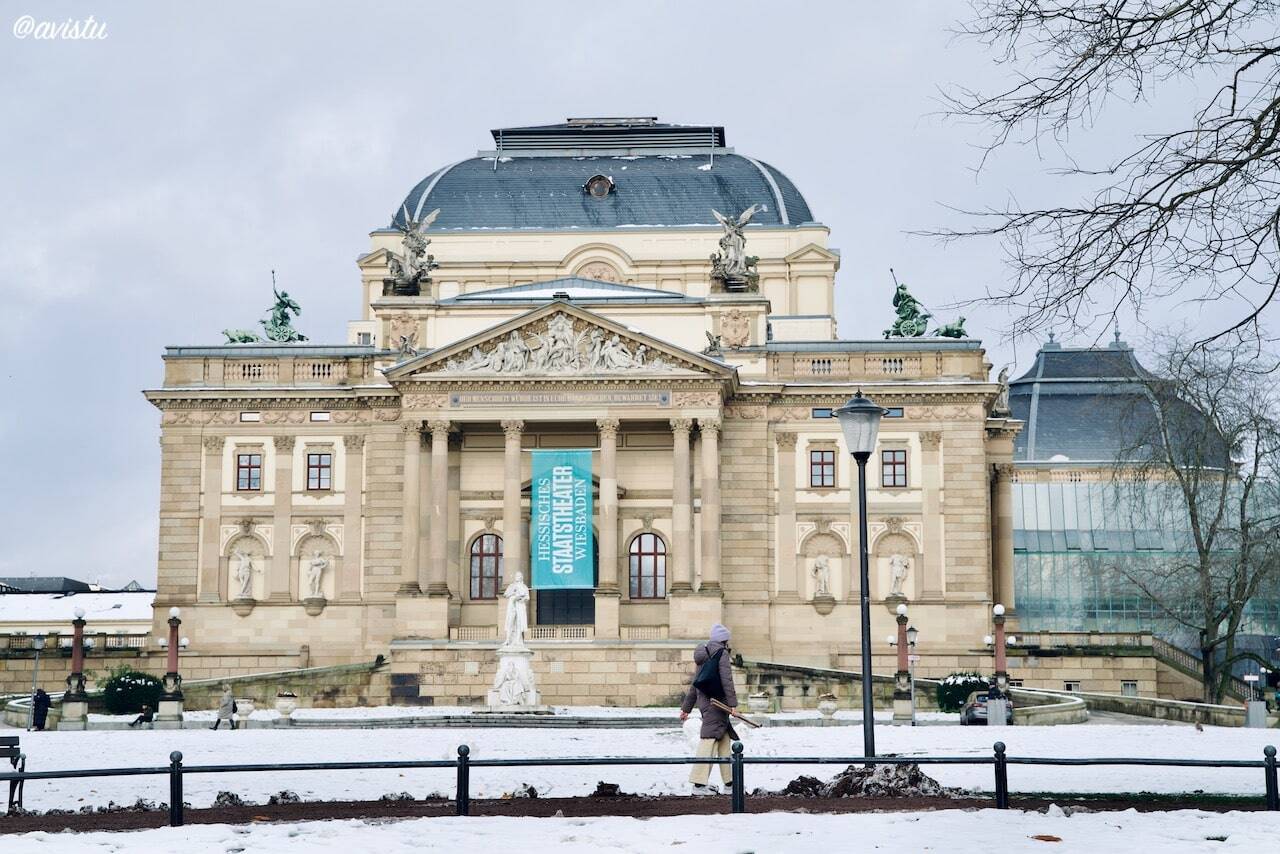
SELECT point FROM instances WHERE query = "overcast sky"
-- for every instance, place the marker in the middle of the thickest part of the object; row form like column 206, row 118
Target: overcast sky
column 154, row 177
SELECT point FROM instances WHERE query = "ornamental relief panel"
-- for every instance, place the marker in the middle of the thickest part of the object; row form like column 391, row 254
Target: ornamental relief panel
column 245, row 528
column 735, row 329
column 557, row 345
column 745, row 412
column 601, row 271
column 314, row 528
column 419, row 400
column 695, row 398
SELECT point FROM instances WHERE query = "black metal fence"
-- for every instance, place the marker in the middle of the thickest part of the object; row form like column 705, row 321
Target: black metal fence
column 999, row 760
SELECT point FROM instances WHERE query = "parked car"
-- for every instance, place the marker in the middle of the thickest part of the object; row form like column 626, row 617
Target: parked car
column 974, row 710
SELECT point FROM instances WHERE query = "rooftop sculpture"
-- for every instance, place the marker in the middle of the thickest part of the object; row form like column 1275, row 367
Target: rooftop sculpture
column 412, row 269
column 277, row 326
column 732, row 266
column 913, row 321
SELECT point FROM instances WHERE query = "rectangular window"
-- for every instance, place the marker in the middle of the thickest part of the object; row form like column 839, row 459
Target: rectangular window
column 1073, row 687
column 364, row 338
column 1128, row 689
column 821, row 412
column 319, row 471
column 250, row 416
column 893, row 412
column 320, row 416
column 822, row 469
column 248, row 472
column 1015, row 683
column 893, row 468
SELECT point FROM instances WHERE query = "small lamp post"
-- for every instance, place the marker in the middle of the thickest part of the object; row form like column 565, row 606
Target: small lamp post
column 912, row 658
column 903, row 709
column 860, row 422
column 997, row 704
column 37, row 643
column 170, row 712
column 75, row 702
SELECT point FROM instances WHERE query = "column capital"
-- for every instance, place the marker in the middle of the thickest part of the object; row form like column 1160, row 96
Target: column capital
column 1002, row 471
column 681, row 425
column 608, row 427
column 786, row 441
column 439, row 428
column 931, row 439
column 283, row 443
column 213, row 444
column 353, row 441
column 709, row 425
column 513, row 427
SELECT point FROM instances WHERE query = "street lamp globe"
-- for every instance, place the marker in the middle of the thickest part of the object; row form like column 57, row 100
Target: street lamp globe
column 860, row 421
column 902, row 610
column 184, row 643
column 175, row 612
column 988, row 640
column 998, row 610
column 891, row 640
column 912, row 633
column 79, row 612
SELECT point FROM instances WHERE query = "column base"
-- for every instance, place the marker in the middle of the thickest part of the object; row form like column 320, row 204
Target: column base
column 75, row 715
column 422, row 617
column 169, row 714
column 438, row 588
column 408, row 588
column 608, row 608
column 902, row 709
column 691, row 615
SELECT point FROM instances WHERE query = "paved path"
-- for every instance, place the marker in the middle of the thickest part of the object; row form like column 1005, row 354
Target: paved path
column 1121, row 719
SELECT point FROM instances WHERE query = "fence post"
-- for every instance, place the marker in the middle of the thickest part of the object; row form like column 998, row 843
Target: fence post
column 739, row 799
column 464, row 780
column 1002, row 777
column 175, row 789
column 1269, row 769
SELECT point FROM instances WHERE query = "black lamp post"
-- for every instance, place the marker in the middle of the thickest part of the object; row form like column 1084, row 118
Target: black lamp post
column 860, row 421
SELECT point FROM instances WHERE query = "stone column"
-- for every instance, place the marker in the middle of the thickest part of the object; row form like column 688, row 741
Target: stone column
column 410, row 511
column 352, row 518
column 710, row 428
column 437, row 584
column 278, row 579
column 788, row 584
column 902, row 710
column 681, row 509
column 513, row 550
column 931, row 475
column 1002, row 534
column 607, row 592
column 210, row 521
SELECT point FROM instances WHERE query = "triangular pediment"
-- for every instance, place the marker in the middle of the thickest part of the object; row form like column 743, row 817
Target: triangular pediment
column 555, row 340
column 812, row 252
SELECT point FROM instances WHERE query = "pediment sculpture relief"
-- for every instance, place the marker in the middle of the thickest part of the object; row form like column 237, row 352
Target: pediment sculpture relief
column 563, row 345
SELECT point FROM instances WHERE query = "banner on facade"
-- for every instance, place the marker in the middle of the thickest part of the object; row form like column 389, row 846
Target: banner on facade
column 560, row 540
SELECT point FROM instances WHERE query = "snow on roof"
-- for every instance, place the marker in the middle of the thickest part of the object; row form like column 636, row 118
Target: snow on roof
column 55, row 607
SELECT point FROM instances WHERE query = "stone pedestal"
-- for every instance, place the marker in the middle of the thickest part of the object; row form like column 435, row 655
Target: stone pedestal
column 902, row 711
column 75, row 714
column 997, row 711
column 314, row 605
column 169, row 714
column 607, row 614
column 693, row 614
column 824, row 603
column 243, row 607
column 514, row 687
column 1255, row 714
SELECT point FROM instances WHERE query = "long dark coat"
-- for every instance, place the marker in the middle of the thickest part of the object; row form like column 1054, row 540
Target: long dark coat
column 40, row 710
column 715, row 722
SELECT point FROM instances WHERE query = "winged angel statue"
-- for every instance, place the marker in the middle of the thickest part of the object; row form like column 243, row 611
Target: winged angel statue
column 732, row 264
column 415, row 265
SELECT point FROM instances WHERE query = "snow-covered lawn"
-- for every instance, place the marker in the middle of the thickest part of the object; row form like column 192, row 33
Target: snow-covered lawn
column 949, row 830
column 68, row 750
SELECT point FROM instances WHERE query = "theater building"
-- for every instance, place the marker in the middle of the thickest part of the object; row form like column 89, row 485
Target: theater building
column 327, row 503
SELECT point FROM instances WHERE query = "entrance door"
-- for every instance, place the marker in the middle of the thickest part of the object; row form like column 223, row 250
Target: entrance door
column 570, row 607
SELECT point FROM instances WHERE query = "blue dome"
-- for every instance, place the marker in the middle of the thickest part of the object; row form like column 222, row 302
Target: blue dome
column 650, row 189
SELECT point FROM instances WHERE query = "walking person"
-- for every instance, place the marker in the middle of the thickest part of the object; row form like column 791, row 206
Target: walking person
column 226, row 709
column 712, row 680
column 40, row 704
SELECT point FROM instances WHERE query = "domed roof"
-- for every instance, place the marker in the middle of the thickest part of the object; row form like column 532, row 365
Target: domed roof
column 655, row 175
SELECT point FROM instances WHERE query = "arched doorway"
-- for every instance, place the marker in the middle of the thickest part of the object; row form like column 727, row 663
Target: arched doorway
column 569, row 607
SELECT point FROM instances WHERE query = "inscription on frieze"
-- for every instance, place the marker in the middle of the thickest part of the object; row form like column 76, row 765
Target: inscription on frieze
column 559, row 398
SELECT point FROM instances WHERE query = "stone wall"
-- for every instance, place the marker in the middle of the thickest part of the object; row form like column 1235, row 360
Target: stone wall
column 423, row 673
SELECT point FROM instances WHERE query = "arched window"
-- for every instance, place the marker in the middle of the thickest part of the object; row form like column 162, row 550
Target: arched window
column 486, row 566
column 648, row 555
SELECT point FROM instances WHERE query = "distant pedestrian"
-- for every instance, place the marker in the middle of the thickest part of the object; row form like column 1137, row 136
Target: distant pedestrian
column 712, row 680
column 147, row 716
column 40, row 704
column 226, row 709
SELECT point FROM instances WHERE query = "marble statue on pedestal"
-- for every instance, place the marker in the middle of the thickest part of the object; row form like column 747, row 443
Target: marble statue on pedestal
column 899, row 566
column 517, row 621
column 821, row 576
column 315, row 574
column 243, row 573
column 514, row 687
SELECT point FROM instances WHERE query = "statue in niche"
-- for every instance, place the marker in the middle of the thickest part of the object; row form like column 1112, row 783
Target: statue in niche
column 517, row 621
column 821, row 576
column 732, row 265
column 243, row 571
column 899, row 567
column 316, row 566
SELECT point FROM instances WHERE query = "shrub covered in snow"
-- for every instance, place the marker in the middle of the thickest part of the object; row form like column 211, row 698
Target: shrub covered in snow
column 956, row 688
column 127, row 690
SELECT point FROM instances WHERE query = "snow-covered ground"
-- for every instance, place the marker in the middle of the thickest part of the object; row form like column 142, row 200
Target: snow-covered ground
column 122, row 748
column 952, row 831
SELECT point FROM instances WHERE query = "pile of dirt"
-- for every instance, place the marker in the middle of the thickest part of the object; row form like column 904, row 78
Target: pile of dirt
column 881, row 781
column 606, row 790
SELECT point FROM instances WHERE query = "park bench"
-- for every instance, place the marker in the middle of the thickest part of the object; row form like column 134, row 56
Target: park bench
column 9, row 750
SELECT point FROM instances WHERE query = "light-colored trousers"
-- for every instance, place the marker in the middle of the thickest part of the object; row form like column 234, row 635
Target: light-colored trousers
column 711, row 747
